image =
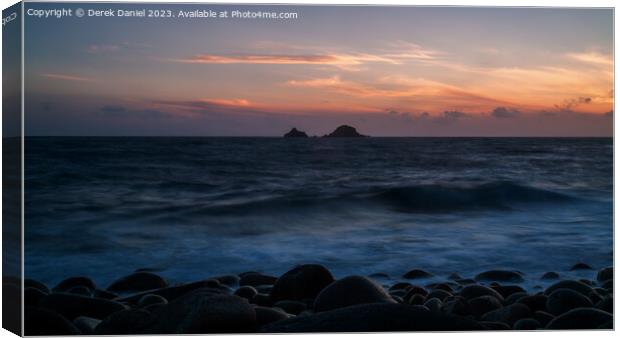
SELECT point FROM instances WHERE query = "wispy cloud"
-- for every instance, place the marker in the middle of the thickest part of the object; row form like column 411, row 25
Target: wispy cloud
column 592, row 58
column 104, row 48
column 66, row 77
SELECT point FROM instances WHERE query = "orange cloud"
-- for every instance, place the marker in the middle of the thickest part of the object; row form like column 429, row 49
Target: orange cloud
column 284, row 59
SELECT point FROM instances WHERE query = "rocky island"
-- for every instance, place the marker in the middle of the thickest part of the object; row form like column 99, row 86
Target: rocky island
column 345, row 131
column 296, row 133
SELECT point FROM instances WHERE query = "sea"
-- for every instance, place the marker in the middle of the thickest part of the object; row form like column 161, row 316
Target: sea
column 190, row 208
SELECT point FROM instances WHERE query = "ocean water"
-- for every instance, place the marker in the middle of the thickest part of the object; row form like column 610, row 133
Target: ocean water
column 192, row 208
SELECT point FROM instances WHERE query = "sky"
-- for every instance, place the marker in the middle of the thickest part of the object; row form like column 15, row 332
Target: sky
column 388, row 71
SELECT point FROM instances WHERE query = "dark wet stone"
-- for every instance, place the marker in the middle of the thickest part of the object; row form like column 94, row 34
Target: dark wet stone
column 605, row 274
column 377, row 317
column 454, row 276
column 349, row 291
column 415, row 290
column 71, row 282
column 440, row 286
column 473, row 291
column 495, row 326
column 606, row 304
column 42, row 322
column 534, row 302
column 416, row 299
column 304, row 281
column 595, row 297
column 483, row 304
column 98, row 293
column 439, row 294
column 228, row 280
column 86, row 325
column 564, row 300
column 608, row 284
column 398, row 293
column 527, row 324
column 580, row 287
column 433, row 304
column 380, row 275
column 139, row 281
column 514, row 298
column 400, row 286
column 31, row 283
column 173, row 292
column 398, row 299
column 417, row 273
column 508, row 314
column 580, row 266
column 291, row 306
column 264, row 288
column 507, row 290
column 500, row 276
column 72, row 306
column 266, row 315
column 32, row 296
column 204, row 311
column 256, row 279
column 580, row 318
column 247, row 292
column 81, row 290
column 550, row 275
column 151, row 299
column 456, row 306
column 466, row 281
column 133, row 321
column 543, row 317
column 262, row 300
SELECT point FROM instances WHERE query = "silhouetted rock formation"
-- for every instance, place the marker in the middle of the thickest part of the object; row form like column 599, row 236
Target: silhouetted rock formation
column 345, row 131
column 295, row 133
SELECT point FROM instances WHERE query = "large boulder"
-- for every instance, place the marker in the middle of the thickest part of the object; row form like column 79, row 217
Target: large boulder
column 42, row 322
column 302, row 282
column 256, row 278
column 72, row 306
column 139, row 281
column 580, row 319
column 349, row 291
column 474, row 290
column 483, row 304
column 508, row 314
column 378, row 317
column 605, row 274
column 28, row 282
column 204, row 311
column 266, row 315
column 564, row 300
column 534, row 302
column 71, row 282
column 173, row 292
column 578, row 286
column 133, row 321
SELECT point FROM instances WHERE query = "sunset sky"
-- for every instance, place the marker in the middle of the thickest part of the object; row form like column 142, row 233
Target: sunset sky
column 389, row 71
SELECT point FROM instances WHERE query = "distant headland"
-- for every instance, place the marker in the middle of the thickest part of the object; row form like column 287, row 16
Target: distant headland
column 342, row 131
